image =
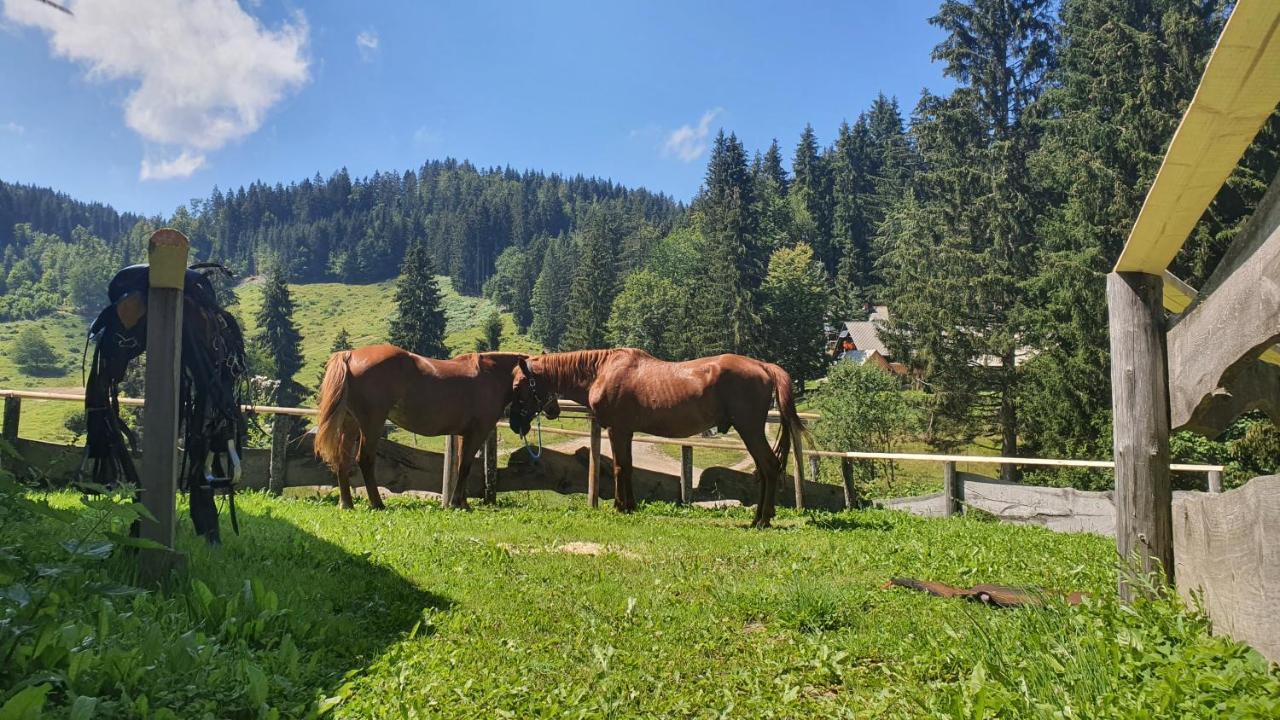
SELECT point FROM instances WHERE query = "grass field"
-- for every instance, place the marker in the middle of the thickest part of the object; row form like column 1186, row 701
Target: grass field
column 542, row 608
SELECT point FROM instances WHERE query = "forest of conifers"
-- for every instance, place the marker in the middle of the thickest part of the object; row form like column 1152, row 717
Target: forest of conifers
column 985, row 218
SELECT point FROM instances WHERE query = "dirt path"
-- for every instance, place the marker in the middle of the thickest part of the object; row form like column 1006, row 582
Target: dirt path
column 643, row 455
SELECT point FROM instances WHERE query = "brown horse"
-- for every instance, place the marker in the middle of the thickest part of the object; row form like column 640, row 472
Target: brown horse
column 630, row 391
column 365, row 387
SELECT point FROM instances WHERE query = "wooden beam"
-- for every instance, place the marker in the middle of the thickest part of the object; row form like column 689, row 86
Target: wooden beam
column 798, row 449
column 491, row 468
column 686, row 474
column 851, row 499
column 450, row 469
column 1140, row 410
column 593, row 466
column 167, row 254
column 279, row 469
column 12, row 418
column 1246, row 387
column 952, row 491
column 1238, row 92
column 1233, row 320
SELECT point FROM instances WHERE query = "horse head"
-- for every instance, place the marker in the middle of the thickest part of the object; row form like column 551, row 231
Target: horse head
column 531, row 395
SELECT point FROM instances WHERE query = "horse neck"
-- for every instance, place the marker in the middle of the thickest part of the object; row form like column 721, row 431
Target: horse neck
column 572, row 373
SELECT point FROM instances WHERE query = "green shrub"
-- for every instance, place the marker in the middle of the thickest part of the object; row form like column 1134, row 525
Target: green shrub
column 32, row 353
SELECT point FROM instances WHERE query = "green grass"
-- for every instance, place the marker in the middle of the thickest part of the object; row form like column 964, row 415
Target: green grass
column 416, row 612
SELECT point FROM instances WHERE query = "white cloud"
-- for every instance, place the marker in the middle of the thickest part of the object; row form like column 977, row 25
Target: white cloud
column 205, row 72
column 687, row 142
column 13, row 127
column 367, row 44
column 182, row 166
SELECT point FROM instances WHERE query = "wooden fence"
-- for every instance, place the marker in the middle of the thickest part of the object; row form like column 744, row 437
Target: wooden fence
column 952, row 500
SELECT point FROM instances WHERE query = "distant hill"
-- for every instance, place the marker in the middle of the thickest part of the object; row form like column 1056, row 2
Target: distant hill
column 321, row 310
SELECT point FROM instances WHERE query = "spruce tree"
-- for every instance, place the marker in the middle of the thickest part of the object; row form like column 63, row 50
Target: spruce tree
column 724, row 310
column 810, row 195
column 853, row 187
column 419, row 324
column 594, row 283
column 1100, row 153
column 341, row 341
column 278, row 337
column 551, row 293
column 978, row 195
column 773, row 210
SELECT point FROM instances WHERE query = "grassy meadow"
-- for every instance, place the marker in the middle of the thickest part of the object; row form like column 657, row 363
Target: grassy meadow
column 544, row 608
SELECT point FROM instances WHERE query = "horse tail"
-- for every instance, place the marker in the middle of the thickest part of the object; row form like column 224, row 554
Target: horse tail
column 331, row 440
column 792, row 425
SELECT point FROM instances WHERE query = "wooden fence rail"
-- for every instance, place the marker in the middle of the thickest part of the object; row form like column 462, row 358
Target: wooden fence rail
column 953, row 483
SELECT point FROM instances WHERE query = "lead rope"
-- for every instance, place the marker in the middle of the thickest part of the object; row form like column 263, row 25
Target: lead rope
column 538, row 455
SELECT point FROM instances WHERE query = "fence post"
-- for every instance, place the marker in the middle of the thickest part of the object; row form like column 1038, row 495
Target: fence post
column 686, row 474
column 952, row 490
column 1140, row 405
column 846, row 476
column 12, row 415
column 491, row 468
column 449, row 480
column 796, row 446
column 593, row 466
column 167, row 254
column 279, row 467
column 1215, row 481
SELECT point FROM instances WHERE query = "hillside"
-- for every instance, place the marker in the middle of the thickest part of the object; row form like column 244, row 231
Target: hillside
column 321, row 310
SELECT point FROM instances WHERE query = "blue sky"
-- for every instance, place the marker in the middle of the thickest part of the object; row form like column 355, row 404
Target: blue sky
column 147, row 105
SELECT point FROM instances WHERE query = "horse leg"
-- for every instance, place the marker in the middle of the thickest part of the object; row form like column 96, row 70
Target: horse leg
column 767, row 469
column 471, row 444
column 344, row 470
column 368, row 457
column 623, row 498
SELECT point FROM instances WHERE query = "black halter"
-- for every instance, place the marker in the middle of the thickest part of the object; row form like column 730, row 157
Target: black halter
column 213, row 365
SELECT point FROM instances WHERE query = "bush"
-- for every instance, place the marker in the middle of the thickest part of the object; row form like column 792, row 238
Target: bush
column 863, row 408
column 33, row 354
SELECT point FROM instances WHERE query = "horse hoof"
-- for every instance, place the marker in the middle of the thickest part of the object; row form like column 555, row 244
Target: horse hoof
column 379, row 506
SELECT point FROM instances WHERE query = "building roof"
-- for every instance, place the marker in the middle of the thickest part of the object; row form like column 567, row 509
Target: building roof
column 866, row 336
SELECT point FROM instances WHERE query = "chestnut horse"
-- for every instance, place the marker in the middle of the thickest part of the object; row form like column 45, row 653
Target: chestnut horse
column 630, row 391
column 365, row 387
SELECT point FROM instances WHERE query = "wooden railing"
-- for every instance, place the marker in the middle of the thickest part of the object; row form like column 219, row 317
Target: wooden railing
column 952, row 480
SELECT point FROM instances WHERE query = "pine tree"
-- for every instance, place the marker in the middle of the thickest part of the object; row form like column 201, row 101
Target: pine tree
column 724, row 310
column 278, row 337
column 772, row 207
column 594, row 283
column 551, row 293
column 341, row 341
column 853, row 188
column 1100, row 153
column 810, row 195
column 419, row 324
column 977, row 188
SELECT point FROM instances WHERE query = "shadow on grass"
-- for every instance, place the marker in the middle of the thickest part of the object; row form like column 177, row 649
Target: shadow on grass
column 342, row 606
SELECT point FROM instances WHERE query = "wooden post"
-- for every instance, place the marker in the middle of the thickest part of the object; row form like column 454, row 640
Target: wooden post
column 593, row 466
column 686, row 474
column 952, row 490
column 279, row 469
column 449, row 480
column 1215, row 481
column 12, row 415
column 796, row 447
column 491, row 468
column 850, row 491
column 167, row 254
column 1140, row 408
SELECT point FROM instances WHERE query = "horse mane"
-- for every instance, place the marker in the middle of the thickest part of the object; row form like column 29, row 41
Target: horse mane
column 573, row 369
